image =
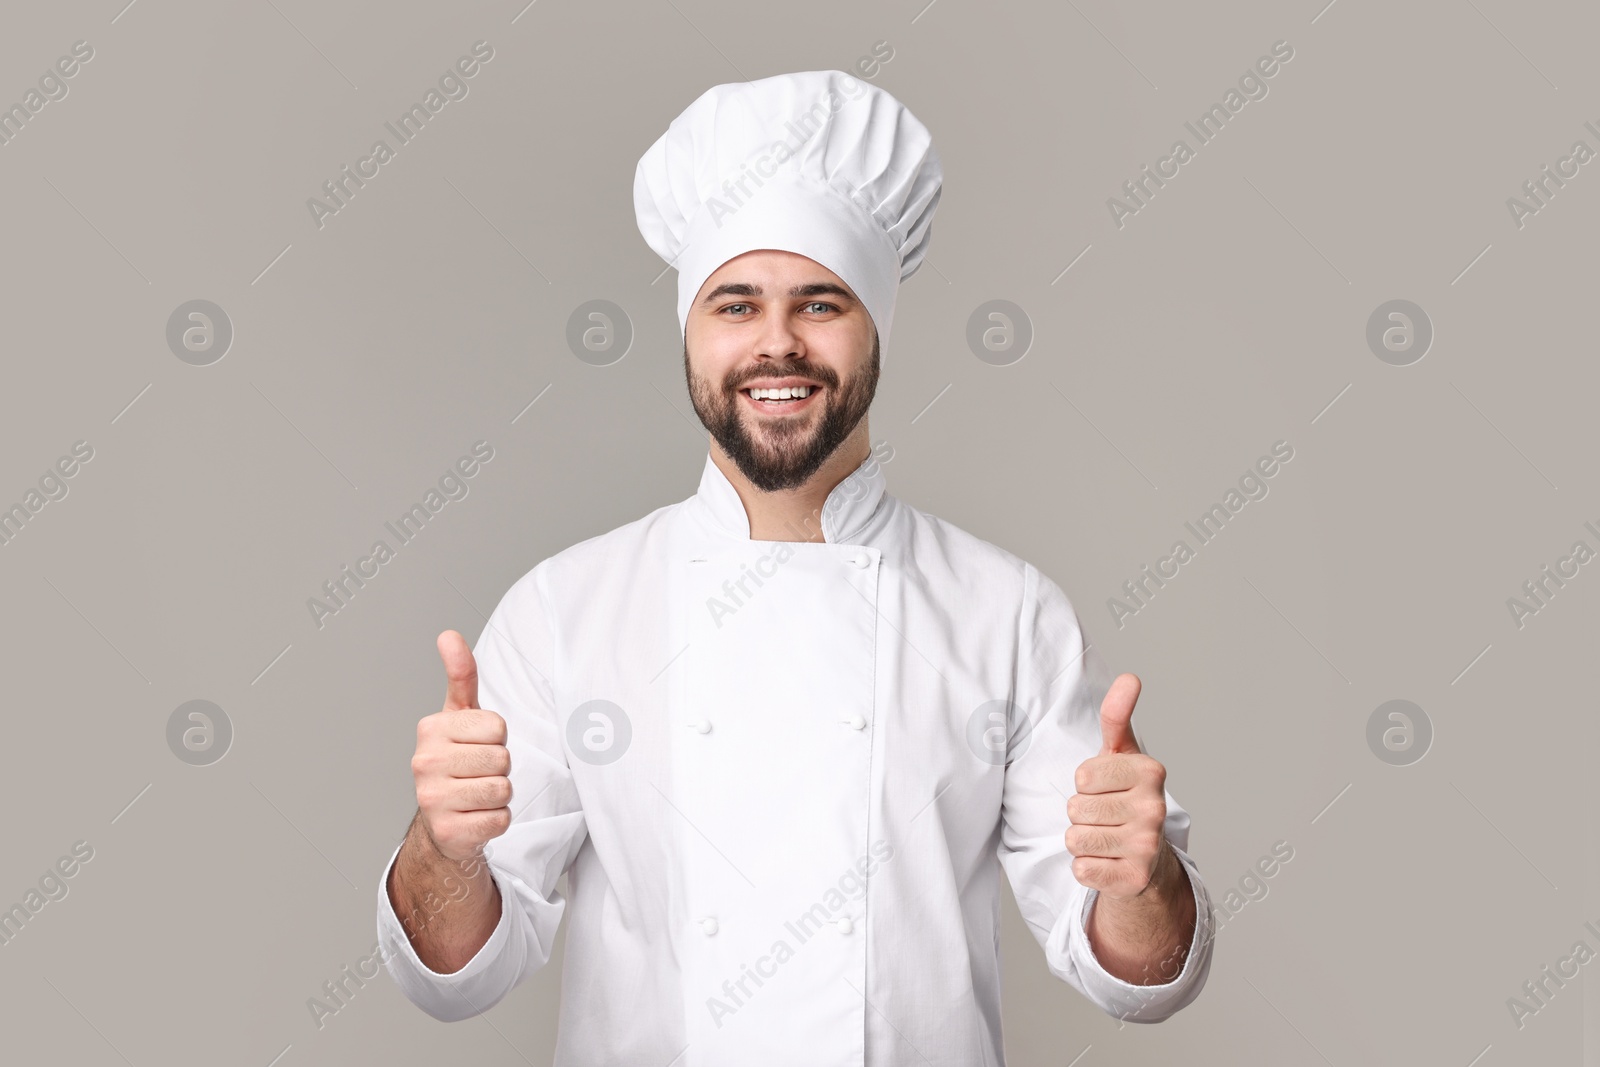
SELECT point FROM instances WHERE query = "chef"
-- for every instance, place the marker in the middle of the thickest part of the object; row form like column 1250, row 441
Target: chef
column 784, row 736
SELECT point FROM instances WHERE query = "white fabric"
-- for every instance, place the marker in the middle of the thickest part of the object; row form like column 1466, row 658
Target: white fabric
column 818, row 163
column 785, row 739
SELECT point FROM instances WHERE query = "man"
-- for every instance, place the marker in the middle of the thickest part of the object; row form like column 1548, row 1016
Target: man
column 784, row 735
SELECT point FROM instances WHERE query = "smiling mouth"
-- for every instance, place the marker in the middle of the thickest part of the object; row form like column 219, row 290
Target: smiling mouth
column 787, row 399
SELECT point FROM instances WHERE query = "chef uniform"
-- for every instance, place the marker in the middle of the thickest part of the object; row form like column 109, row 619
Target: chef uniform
column 783, row 777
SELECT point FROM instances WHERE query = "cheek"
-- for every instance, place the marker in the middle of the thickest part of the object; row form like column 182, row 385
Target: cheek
column 710, row 368
column 716, row 354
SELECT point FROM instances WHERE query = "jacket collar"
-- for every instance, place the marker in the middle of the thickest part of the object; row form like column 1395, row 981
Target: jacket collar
column 845, row 512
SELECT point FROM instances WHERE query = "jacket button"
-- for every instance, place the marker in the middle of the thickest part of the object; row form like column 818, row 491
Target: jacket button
column 855, row 722
column 863, row 560
column 709, row 925
column 700, row 726
column 844, row 925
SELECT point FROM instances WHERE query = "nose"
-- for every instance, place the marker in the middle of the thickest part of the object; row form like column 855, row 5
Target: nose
column 778, row 339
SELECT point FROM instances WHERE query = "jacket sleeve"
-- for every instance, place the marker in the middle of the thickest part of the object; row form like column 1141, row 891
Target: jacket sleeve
column 1061, row 681
column 515, row 656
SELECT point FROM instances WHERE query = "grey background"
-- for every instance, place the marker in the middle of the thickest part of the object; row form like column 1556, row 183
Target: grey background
column 369, row 354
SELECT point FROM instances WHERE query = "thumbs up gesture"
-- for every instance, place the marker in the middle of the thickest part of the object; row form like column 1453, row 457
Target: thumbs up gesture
column 1120, row 806
column 462, row 764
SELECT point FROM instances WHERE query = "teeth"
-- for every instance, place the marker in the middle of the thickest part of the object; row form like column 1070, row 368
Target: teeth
column 794, row 392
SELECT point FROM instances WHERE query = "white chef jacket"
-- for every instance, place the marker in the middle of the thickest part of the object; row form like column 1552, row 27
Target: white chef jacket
column 783, row 779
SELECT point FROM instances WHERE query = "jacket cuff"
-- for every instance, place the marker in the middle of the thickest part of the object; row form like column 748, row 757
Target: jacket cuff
column 459, row 994
column 1126, row 1000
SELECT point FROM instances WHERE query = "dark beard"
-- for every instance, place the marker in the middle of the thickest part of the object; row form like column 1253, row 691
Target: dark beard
column 792, row 453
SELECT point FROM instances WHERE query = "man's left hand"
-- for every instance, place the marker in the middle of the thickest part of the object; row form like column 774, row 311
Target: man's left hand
column 1120, row 807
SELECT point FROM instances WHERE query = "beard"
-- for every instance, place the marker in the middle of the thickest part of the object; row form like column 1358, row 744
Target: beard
column 782, row 453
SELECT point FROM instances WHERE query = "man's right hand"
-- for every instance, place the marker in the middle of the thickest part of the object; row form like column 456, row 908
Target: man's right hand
column 462, row 766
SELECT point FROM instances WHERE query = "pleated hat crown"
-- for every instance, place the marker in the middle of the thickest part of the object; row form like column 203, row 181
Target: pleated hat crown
column 818, row 163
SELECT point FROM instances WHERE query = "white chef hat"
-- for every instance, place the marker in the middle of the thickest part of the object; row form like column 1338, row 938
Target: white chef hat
column 818, row 163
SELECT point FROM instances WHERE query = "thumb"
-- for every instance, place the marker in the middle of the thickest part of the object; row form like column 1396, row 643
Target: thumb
column 461, row 669
column 1116, row 716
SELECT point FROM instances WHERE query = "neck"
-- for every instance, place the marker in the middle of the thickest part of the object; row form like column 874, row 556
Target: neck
column 794, row 514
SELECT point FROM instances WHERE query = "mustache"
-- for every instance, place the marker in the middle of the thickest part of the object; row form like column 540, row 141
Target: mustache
column 817, row 374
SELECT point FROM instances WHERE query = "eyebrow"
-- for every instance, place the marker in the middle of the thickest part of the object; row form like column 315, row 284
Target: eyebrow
column 746, row 289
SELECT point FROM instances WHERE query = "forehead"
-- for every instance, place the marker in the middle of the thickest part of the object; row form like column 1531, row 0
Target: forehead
column 770, row 268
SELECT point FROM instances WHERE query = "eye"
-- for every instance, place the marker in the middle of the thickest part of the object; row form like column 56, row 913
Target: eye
column 733, row 306
column 822, row 304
